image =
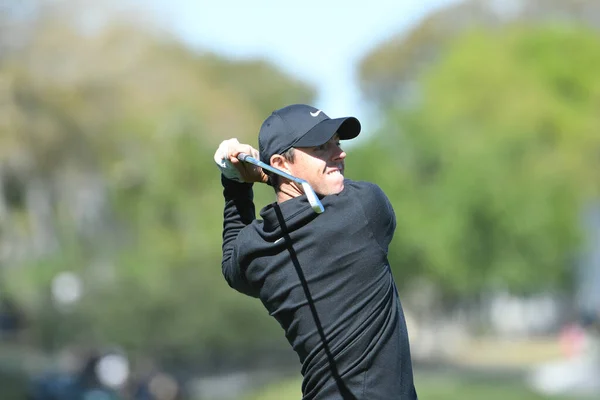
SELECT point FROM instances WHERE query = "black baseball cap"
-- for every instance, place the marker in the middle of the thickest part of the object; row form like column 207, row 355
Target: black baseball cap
column 301, row 125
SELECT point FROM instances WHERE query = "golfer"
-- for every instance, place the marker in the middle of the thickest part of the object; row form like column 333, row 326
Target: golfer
column 324, row 277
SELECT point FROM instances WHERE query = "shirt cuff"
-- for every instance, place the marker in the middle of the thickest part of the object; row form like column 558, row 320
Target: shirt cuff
column 235, row 185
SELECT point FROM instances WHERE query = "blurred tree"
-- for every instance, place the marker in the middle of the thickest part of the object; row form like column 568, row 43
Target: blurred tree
column 494, row 160
column 389, row 74
column 106, row 152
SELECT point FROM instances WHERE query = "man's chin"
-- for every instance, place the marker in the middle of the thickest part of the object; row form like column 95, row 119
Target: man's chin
column 332, row 186
column 337, row 189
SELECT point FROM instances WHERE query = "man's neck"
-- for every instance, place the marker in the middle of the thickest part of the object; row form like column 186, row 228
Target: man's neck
column 287, row 191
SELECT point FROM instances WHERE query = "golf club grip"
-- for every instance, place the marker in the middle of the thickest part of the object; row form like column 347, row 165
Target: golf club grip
column 243, row 156
column 249, row 159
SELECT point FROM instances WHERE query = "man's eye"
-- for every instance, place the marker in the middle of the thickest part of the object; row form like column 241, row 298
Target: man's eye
column 321, row 147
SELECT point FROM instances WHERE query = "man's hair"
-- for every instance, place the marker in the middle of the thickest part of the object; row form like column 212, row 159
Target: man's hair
column 275, row 179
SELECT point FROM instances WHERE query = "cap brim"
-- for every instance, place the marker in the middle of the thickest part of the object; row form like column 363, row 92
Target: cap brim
column 347, row 128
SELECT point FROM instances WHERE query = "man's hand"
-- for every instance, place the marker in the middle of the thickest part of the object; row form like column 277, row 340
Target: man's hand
column 234, row 169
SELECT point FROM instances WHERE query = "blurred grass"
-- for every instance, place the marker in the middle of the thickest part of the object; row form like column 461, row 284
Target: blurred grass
column 430, row 386
column 12, row 385
column 440, row 387
column 508, row 353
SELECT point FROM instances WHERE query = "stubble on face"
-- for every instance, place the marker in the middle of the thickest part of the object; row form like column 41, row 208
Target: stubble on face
column 327, row 165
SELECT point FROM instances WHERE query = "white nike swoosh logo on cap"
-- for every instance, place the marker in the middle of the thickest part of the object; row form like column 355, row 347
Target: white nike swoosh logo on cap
column 314, row 114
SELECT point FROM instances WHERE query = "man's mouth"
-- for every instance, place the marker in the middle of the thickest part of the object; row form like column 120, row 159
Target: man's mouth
column 336, row 171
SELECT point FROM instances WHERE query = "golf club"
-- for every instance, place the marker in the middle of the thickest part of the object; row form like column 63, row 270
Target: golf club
column 313, row 200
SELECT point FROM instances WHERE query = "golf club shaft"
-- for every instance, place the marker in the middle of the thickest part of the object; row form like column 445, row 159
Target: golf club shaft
column 313, row 199
column 247, row 158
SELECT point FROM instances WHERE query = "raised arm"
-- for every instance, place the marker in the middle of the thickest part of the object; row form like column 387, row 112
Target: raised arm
column 239, row 212
column 237, row 179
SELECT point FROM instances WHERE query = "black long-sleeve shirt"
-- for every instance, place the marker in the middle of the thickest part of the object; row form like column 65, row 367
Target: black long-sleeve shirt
column 326, row 279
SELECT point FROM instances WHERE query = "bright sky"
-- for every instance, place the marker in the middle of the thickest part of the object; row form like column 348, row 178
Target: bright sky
column 320, row 42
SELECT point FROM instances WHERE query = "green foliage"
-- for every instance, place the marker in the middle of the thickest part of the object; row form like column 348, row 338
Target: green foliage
column 487, row 170
column 434, row 386
column 490, row 168
column 388, row 73
column 144, row 114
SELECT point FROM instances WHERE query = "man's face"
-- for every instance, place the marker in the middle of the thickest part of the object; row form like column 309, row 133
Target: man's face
column 322, row 167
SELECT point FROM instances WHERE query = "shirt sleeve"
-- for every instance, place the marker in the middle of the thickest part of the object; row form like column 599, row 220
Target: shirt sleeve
column 239, row 212
column 380, row 214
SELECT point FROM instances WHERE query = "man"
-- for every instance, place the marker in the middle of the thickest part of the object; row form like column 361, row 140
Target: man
column 324, row 277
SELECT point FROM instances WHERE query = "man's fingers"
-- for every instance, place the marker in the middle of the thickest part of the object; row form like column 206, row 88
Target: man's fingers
column 237, row 150
column 245, row 169
column 230, row 150
column 234, row 152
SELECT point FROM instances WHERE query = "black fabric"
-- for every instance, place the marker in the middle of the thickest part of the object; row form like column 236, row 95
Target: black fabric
column 346, row 128
column 326, row 279
column 301, row 125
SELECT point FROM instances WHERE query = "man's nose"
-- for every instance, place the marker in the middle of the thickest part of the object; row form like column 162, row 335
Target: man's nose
column 339, row 154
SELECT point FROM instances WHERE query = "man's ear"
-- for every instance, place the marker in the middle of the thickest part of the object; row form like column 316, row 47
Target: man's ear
column 278, row 161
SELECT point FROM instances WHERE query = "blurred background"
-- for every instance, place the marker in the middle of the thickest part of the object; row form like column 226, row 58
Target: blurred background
column 481, row 121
